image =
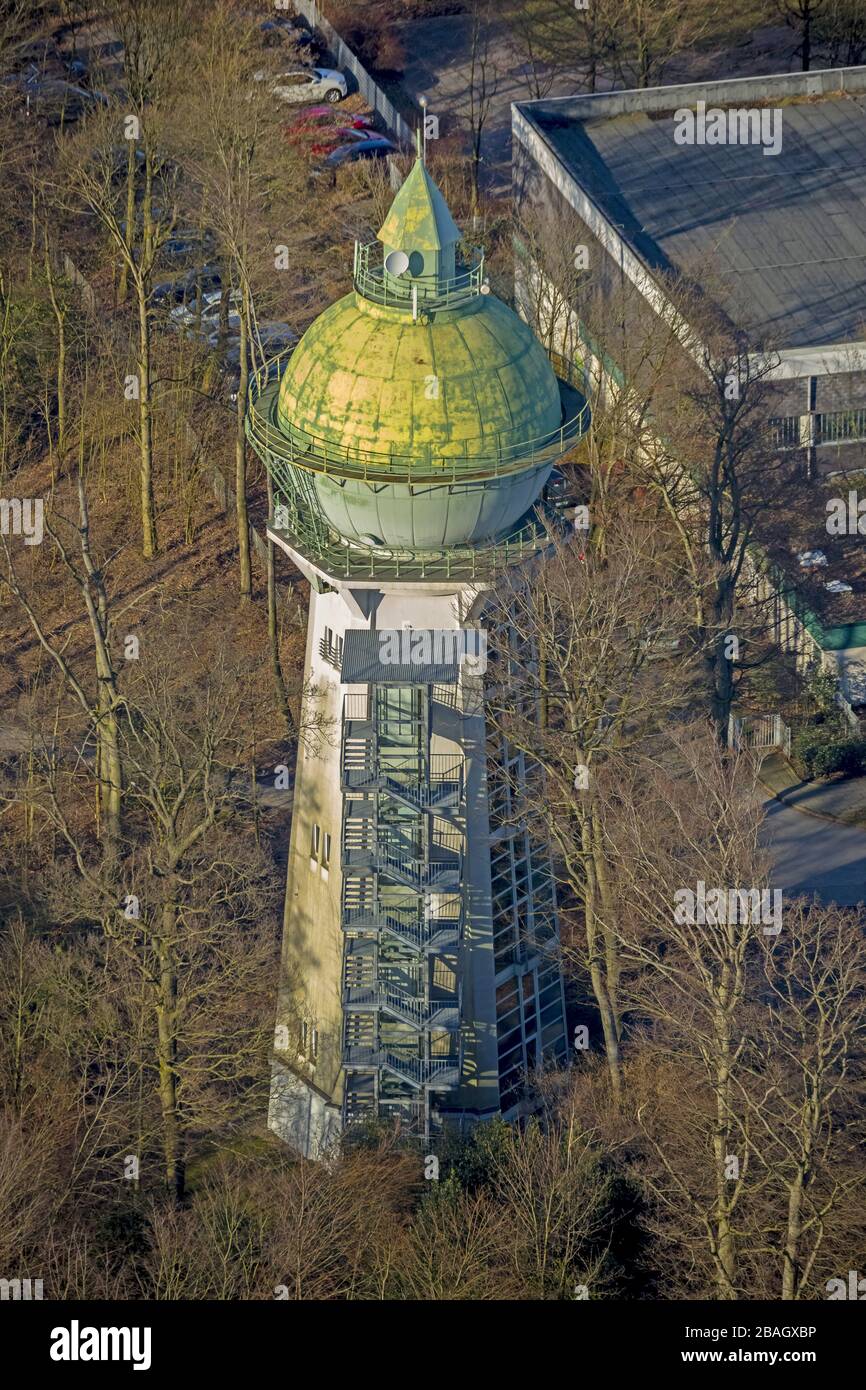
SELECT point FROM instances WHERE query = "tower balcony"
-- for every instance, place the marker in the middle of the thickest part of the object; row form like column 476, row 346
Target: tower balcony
column 368, row 848
column 370, row 762
column 373, row 984
column 418, row 293
column 285, row 449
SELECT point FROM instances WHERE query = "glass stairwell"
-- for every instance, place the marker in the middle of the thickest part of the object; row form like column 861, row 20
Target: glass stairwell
column 402, row 858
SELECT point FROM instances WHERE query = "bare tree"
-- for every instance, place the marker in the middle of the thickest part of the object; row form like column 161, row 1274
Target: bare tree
column 804, row 17
column 101, row 709
column 483, row 85
column 647, row 33
column 809, row 1083
column 839, row 26
column 556, row 39
column 575, row 683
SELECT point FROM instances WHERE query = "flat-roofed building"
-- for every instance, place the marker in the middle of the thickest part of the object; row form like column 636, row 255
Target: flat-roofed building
column 753, row 190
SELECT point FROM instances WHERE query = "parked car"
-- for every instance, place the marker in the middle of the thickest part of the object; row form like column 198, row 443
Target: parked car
column 55, row 100
column 185, row 243
column 271, row 340
column 373, row 147
column 289, row 31
column 321, row 125
column 184, row 315
column 306, row 85
column 183, row 289
column 341, row 135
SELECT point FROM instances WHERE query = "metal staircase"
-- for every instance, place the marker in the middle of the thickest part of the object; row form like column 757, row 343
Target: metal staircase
column 402, row 849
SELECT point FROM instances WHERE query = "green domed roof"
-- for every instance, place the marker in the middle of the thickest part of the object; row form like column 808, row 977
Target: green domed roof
column 471, row 381
column 418, row 413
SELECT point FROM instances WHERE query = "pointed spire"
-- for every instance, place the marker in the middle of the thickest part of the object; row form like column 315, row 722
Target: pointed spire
column 419, row 219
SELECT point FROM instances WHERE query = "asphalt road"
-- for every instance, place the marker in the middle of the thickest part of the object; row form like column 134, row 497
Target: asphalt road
column 814, row 856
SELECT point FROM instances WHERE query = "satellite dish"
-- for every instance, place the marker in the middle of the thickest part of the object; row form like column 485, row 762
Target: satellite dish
column 396, row 262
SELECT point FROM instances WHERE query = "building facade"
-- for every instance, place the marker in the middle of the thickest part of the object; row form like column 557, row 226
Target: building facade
column 775, row 235
column 412, row 438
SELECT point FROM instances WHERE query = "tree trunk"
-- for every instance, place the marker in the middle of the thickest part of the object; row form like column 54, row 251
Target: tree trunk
column 111, row 772
column 790, row 1255
column 599, row 961
column 149, row 543
column 246, row 579
column 807, row 36
column 61, row 358
column 129, row 234
column 166, row 1012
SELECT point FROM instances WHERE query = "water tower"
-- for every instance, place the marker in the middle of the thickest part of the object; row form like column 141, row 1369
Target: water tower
column 412, row 437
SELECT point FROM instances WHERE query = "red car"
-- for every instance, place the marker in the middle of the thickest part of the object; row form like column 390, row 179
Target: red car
column 318, row 119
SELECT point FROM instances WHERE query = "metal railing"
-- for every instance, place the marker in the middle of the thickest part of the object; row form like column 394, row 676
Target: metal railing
column 356, row 705
column 418, row 1071
column 413, row 929
column 414, row 1009
column 817, row 428
column 484, row 562
column 759, row 731
column 440, row 783
column 442, row 871
column 332, row 652
column 841, row 426
column 423, row 291
column 480, row 458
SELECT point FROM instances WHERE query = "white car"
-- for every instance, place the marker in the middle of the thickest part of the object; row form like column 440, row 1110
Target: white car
column 306, row 85
column 184, row 315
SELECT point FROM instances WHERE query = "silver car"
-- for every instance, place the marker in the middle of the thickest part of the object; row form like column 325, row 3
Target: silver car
column 307, row 85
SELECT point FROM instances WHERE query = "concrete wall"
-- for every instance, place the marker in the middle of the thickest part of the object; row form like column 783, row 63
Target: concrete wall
column 345, row 58
column 740, row 91
column 307, row 1091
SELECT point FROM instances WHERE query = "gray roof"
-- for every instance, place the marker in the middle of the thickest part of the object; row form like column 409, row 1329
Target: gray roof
column 368, row 657
column 786, row 234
